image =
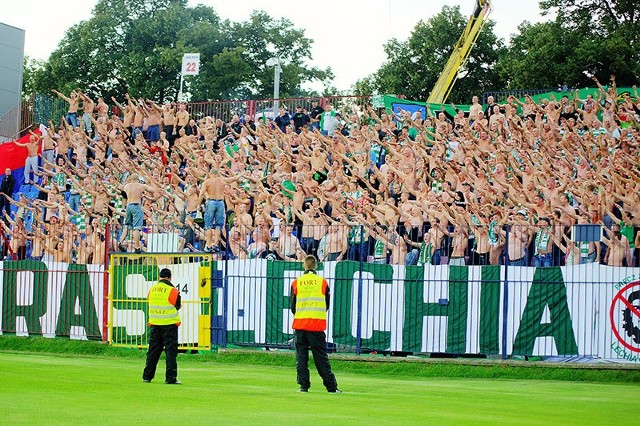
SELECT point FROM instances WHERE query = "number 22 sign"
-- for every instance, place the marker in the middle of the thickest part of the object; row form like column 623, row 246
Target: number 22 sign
column 191, row 64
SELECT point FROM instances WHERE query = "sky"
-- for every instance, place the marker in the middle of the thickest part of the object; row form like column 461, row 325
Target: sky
column 348, row 35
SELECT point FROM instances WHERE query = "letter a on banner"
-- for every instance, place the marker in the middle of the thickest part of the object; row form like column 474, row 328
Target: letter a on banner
column 191, row 64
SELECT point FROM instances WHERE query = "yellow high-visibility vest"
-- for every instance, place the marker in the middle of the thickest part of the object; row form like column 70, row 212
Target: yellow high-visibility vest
column 311, row 306
column 161, row 310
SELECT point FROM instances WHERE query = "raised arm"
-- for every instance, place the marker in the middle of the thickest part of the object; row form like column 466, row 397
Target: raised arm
column 60, row 95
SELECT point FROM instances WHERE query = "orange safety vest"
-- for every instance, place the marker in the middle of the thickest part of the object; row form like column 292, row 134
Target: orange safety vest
column 311, row 305
column 162, row 311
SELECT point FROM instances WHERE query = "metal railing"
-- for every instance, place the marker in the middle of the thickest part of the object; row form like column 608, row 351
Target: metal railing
column 131, row 278
column 17, row 121
column 402, row 245
column 567, row 307
column 47, row 108
column 502, row 95
column 266, row 108
column 445, row 305
column 41, row 108
column 514, row 245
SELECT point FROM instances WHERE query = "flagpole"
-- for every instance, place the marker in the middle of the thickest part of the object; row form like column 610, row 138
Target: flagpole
column 181, row 83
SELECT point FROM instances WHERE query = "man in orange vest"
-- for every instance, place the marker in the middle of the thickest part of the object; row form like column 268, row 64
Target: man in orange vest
column 164, row 303
column 309, row 303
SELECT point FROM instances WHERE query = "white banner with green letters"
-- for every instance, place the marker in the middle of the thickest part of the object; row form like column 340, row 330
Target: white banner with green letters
column 585, row 310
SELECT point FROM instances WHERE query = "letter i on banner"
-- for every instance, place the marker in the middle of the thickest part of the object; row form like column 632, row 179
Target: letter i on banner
column 190, row 66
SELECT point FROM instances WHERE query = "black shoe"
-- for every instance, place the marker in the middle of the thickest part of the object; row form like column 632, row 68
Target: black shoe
column 335, row 391
column 303, row 390
column 146, row 380
column 177, row 382
column 122, row 248
column 138, row 251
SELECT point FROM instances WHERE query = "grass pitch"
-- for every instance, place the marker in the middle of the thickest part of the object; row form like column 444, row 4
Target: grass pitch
column 74, row 389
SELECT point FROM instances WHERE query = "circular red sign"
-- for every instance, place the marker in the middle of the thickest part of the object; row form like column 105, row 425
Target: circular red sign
column 619, row 297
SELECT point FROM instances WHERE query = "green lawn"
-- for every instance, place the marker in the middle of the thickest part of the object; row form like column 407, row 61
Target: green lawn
column 71, row 389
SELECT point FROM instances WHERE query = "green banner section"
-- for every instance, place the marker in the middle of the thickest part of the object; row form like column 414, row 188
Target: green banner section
column 126, row 303
column 453, row 309
column 279, row 301
column 131, row 280
column 78, row 289
column 547, row 294
column 489, row 321
column 348, row 284
column 458, row 309
column 53, row 300
column 568, row 311
column 31, row 312
column 414, row 313
column 390, row 100
column 414, row 309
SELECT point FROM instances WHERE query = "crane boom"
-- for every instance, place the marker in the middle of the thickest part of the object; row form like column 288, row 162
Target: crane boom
column 460, row 54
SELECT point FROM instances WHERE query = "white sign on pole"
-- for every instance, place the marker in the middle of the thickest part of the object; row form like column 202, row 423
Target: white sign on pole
column 191, row 64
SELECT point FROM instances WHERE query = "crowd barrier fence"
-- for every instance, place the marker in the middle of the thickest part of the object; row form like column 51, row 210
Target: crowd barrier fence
column 565, row 310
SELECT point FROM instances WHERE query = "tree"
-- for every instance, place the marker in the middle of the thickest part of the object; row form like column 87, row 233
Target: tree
column 32, row 75
column 136, row 46
column 364, row 87
column 609, row 34
column 413, row 66
column 249, row 45
column 604, row 17
column 541, row 56
column 587, row 38
column 127, row 46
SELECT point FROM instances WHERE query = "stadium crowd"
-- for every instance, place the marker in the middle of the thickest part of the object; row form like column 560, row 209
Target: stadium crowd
column 498, row 183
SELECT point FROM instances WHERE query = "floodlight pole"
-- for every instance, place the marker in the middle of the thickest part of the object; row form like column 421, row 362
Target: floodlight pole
column 275, row 62
column 276, row 88
column 181, row 84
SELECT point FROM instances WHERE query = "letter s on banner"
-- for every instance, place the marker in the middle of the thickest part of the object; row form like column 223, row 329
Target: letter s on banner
column 191, row 64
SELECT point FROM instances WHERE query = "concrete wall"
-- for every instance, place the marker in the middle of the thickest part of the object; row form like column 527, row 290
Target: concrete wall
column 11, row 69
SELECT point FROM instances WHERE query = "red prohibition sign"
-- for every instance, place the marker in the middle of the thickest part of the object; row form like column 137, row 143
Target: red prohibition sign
column 619, row 297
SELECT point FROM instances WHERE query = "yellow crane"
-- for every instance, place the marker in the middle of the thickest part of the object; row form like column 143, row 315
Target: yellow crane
column 460, row 53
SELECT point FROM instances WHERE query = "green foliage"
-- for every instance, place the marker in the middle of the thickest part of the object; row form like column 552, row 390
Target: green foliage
column 588, row 37
column 136, row 46
column 413, row 66
column 549, row 54
column 365, row 86
column 604, row 17
column 541, row 55
column 32, row 76
column 606, row 37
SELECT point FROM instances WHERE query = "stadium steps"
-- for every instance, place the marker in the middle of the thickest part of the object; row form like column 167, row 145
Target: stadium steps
column 30, row 193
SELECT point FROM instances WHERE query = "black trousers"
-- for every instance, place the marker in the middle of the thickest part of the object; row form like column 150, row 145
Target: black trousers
column 162, row 337
column 4, row 205
column 479, row 258
column 317, row 342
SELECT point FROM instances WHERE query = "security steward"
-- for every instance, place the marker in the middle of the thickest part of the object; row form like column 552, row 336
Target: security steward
column 164, row 303
column 309, row 303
